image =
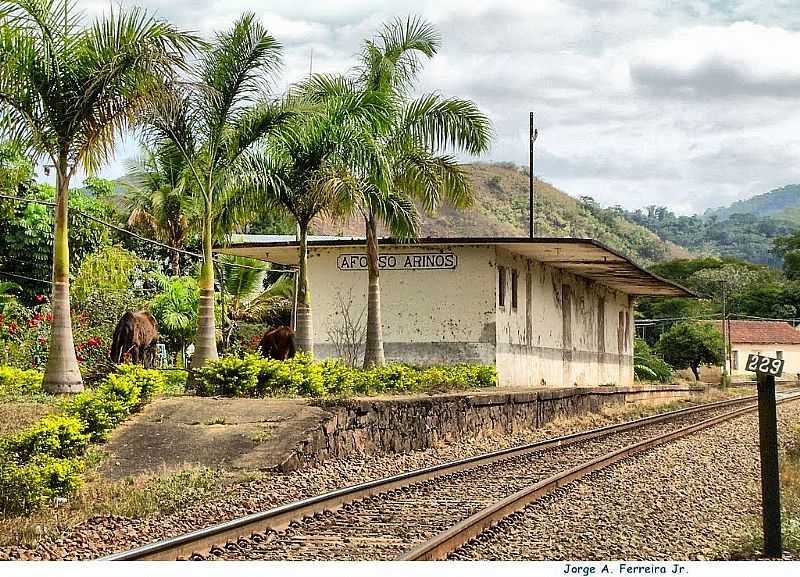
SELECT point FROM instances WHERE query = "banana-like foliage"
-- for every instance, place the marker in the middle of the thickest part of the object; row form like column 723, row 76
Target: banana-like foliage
column 246, row 297
column 68, row 90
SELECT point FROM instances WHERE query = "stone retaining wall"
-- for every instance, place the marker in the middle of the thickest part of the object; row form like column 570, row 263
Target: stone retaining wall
column 368, row 426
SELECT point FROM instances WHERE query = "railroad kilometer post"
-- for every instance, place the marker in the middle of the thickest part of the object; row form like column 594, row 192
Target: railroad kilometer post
column 766, row 370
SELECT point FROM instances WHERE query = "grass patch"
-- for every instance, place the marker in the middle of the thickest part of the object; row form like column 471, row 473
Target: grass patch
column 132, row 497
column 19, row 412
column 261, row 436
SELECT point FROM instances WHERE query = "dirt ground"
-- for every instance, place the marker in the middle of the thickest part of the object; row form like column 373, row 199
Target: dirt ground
column 178, row 432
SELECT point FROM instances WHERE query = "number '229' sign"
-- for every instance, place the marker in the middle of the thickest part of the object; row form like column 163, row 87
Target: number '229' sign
column 762, row 364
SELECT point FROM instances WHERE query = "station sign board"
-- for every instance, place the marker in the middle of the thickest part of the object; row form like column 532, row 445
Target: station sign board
column 765, row 365
column 404, row 261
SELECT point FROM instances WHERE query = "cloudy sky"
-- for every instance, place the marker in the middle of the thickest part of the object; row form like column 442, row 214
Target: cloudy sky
column 687, row 103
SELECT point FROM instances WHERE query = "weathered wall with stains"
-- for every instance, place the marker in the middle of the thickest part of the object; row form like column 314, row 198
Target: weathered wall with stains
column 564, row 330
column 428, row 316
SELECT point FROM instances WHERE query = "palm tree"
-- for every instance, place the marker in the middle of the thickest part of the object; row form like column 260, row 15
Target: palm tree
column 416, row 141
column 320, row 167
column 218, row 121
column 67, row 91
column 157, row 199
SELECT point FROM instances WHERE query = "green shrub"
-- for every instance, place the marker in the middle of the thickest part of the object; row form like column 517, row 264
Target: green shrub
column 97, row 414
column 122, row 390
column 25, row 487
column 62, row 476
column 647, row 365
column 14, row 381
column 174, row 382
column 229, row 376
column 150, row 381
column 54, row 435
column 252, row 376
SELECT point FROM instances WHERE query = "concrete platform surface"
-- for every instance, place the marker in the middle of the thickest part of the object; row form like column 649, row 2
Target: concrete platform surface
column 174, row 432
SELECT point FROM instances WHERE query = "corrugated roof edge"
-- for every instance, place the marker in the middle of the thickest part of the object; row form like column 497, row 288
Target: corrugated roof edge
column 353, row 241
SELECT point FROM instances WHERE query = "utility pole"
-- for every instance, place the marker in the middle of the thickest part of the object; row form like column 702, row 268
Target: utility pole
column 533, row 134
column 725, row 356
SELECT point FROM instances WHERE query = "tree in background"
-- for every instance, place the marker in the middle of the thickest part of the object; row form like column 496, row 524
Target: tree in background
column 158, row 203
column 691, row 344
column 67, row 91
column 109, row 269
column 218, row 121
column 175, row 309
column 788, row 248
column 27, row 233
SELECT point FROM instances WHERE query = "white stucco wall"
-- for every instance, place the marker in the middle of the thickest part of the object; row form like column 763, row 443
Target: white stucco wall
column 531, row 345
column 791, row 356
column 429, row 316
column 449, row 316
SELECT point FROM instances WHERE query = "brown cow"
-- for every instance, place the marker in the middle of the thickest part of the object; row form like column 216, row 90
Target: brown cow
column 278, row 343
column 135, row 338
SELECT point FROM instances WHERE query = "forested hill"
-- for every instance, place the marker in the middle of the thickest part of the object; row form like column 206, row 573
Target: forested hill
column 501, row 209
column 773, row 203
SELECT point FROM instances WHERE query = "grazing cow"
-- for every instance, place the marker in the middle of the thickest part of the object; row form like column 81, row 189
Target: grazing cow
column 278, row 343
column 135, row 339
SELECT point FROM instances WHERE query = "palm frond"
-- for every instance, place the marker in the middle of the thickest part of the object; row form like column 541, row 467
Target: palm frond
column 441, row 123
column 237, row 70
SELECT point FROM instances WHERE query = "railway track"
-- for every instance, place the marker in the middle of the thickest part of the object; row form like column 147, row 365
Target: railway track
column 428, row 513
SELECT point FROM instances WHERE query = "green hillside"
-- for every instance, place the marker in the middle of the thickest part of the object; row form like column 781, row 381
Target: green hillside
column 772, row 203
column 501, row 209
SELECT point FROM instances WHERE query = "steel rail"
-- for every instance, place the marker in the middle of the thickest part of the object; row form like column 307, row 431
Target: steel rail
column 449, row 540
column 280, row 517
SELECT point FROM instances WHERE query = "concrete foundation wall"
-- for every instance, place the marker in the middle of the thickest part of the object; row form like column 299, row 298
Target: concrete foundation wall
column 365, row 427
column 564, row 331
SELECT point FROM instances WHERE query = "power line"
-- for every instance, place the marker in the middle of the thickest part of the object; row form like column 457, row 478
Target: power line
column 140, row 237
column 23, row 277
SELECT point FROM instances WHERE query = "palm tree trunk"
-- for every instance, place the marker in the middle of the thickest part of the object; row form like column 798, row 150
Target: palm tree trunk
column 62, row 374
column 304, row 327
column 205, row 346
column 373, row 353
column 174, row 263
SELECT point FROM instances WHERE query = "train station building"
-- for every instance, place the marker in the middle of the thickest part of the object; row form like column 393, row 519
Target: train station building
column 546, row 311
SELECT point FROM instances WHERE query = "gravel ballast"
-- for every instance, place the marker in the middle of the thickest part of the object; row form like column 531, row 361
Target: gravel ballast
column 103, row 535
column 687, row 500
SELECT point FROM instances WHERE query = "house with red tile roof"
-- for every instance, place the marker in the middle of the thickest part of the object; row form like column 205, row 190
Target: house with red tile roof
column 775, row 339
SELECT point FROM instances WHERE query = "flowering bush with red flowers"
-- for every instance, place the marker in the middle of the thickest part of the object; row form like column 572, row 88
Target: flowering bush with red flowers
column 25, row 338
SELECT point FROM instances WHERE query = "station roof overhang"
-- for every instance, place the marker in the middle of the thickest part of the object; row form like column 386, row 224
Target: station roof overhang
column 583, row 257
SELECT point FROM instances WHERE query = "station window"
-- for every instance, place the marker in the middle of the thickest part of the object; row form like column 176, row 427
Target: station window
column 514, row 277
column 734, row 360
column 501, row 286
column 779, row 354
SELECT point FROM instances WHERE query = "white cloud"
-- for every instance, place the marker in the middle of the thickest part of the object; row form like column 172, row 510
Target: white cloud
column 720, row 61
column 691, row 103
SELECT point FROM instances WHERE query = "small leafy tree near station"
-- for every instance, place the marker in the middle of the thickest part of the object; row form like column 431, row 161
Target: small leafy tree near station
column 689, row 345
